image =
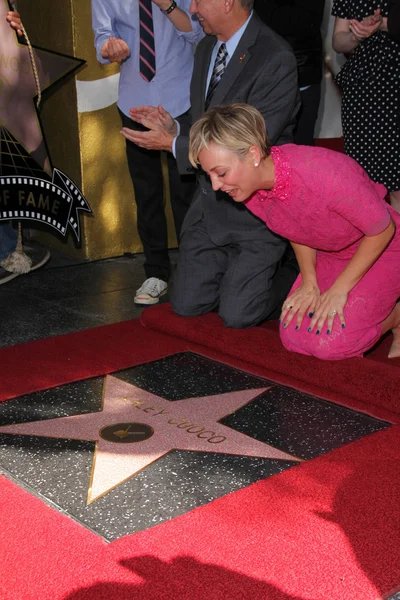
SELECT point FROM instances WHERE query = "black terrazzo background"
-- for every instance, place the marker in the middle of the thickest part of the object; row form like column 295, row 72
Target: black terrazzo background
column 189, row 375
column 301, row 424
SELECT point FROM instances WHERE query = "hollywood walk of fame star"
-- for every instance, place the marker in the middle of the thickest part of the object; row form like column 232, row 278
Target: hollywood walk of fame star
column 18, row 112
column 144, row 427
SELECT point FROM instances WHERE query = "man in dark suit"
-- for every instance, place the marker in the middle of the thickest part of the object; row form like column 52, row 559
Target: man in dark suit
column 228, row 258
column 299, row 23
column 393, row 20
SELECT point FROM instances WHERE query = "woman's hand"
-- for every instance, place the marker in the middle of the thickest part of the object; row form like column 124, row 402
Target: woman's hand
column 14, row 19
column 304, row 300
column 331, row 305
column 367, row 27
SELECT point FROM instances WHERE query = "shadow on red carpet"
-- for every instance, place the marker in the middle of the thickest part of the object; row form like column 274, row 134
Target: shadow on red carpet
column 182, row 578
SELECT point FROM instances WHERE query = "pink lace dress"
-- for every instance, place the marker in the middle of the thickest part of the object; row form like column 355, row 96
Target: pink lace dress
column 325, row 200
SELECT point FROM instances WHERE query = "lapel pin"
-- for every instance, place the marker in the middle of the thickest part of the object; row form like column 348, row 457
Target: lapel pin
column 241, row 57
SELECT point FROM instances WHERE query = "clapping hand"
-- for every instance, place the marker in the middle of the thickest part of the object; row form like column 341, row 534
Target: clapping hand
column 367, row 27
column 154, row 115
column 115, row 49
column 161, row 128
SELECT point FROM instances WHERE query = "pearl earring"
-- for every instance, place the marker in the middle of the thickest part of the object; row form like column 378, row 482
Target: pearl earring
column 256, row 164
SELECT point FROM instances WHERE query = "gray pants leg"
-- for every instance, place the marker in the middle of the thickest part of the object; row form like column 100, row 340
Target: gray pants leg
column 237, row 278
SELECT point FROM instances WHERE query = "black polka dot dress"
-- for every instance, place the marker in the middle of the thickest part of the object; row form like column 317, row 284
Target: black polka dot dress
column 370, row 84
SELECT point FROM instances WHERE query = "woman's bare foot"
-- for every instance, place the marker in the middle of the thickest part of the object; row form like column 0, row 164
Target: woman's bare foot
column 394, row 351
column 392, row 322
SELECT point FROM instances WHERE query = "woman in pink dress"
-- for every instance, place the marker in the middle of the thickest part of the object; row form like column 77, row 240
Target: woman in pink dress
column 345, row 236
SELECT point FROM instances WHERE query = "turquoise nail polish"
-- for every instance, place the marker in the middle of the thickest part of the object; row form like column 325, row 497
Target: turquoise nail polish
column 317, row 332
column 328, row 331
column 309, row 329
column 297, row 327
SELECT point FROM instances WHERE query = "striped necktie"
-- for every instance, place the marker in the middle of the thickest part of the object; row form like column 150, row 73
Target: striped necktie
column 147, row 55
column 218, row 71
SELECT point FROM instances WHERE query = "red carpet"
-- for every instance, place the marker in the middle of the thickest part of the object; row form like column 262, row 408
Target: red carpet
column 53, row 361
column 367, row 384
column 328, row 529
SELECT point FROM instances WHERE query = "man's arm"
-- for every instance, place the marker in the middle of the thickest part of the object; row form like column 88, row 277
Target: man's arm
column 186, row 25
column 276, row 94
column 102, row 24
column 182, row 155
column 393, row 21
column 179, row 19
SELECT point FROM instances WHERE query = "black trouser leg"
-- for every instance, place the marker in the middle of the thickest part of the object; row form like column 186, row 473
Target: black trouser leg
column 182, row 188
column 308, row 114
column 146, row 174
column 285, row 276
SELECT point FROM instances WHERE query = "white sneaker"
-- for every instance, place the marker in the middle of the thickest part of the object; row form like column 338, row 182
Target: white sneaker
column 151, row 291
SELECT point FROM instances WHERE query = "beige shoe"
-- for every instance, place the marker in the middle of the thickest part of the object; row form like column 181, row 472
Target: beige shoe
column 151, row 291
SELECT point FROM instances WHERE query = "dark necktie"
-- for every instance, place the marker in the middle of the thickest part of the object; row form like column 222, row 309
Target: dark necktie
column 218, row 71
column 147, row 58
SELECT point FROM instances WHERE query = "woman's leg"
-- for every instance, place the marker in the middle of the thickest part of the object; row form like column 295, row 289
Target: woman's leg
column 393, row 322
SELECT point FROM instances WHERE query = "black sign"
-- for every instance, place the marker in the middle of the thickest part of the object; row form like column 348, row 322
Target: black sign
column 27, row 192
column 55, row 203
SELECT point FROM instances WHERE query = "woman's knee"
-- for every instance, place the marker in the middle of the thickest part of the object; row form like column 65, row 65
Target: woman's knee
column 311, row 344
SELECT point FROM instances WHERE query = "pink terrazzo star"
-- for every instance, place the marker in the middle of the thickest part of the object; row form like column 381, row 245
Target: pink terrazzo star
column 190, row 424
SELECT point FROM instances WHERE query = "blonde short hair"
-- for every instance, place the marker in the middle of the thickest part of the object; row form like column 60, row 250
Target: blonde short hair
column 236, row 127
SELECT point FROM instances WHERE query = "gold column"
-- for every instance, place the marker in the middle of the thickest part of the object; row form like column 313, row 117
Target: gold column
column 86, row 143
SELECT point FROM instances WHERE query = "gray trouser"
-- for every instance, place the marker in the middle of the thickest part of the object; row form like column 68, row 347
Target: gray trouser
column 237, row 278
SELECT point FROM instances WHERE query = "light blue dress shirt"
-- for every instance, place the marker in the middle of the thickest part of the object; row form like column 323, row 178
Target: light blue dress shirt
column 174, row 54
column 231, row 46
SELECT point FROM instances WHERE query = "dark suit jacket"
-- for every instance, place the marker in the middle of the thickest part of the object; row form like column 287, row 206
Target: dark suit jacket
column 299, row 23
column 263, row 73
column 394, row 20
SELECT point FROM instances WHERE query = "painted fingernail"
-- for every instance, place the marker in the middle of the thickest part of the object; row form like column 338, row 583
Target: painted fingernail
column 343, row 325
column 279, row 320
column 328, row 331
column 297, row 328
column 284, row 325
column 310, row 314
column 317, row 332
column 309, row 329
